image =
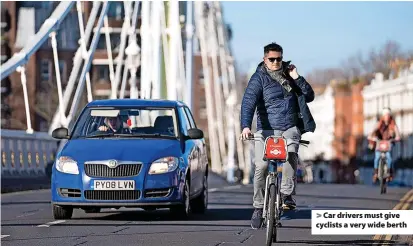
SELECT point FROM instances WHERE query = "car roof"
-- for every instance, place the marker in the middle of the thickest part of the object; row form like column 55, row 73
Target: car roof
column 135, row 103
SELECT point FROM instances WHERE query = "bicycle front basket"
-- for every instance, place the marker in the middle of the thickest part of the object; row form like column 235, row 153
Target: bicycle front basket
column 275, row 149
column 383, row 146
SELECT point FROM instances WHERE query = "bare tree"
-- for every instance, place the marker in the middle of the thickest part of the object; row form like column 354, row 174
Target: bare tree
column 324, row 76
column 47, row 100
column 352, row 68
column 379, row 62
column 409, row 55
column 357, row 67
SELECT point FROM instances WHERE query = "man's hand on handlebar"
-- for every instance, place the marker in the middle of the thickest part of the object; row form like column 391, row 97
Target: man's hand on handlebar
column 246, row 134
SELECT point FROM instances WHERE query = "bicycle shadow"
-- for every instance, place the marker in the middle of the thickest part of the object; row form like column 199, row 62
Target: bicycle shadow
column 297, row 214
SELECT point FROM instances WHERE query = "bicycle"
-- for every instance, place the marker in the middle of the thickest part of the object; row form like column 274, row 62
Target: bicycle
column 275, row 152
column 383, row 172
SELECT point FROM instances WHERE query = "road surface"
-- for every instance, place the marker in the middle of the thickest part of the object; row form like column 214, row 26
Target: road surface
column 27, row 219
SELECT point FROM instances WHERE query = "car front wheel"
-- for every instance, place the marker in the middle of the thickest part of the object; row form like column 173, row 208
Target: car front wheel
column 183, row 210
column 62, row 213
column 199, row 205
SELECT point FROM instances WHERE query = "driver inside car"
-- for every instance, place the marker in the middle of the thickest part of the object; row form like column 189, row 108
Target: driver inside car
column 114, row 125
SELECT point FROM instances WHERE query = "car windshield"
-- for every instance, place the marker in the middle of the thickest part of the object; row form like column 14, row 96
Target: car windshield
column 126, row 122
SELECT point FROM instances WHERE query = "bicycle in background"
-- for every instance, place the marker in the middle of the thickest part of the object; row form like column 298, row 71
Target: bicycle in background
column 383, row 171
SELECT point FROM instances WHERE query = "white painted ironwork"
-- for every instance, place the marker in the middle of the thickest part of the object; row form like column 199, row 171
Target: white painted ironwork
column 58, row 78
column 161, row 49
column 200, row 22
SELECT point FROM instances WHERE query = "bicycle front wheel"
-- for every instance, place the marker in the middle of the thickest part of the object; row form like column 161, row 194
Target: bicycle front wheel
column 271, row 230
column 383, row 181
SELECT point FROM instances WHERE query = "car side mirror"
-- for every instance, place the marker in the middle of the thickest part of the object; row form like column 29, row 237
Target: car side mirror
column 60, row 133
column 195, row 133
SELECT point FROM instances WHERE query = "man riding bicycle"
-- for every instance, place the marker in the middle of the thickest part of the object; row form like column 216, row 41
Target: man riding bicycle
column 280, row 95
column 386, row 129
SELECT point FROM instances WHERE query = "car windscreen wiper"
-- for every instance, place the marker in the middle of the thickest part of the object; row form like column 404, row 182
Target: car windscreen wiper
column 131, row 135
column 102, row 135
column 146, row 135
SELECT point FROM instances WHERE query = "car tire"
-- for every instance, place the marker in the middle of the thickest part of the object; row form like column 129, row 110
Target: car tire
column 200, row 204
column 182, row 211
column 92, row 210
column 62, row 213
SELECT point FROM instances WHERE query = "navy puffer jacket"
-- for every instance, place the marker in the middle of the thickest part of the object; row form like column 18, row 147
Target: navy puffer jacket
column 277, row 109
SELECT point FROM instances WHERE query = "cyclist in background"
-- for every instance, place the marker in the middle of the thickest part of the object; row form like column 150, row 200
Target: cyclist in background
column 386, row 129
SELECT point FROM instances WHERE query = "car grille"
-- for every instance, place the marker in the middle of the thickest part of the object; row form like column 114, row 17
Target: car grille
column 112, row 194
column 103, row 171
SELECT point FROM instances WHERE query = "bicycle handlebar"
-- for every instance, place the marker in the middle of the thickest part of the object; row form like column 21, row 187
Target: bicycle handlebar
column 304, row 142
column 378, row 140
column 251, row 137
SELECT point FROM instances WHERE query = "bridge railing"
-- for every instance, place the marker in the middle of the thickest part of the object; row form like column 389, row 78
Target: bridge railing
column 26, row 155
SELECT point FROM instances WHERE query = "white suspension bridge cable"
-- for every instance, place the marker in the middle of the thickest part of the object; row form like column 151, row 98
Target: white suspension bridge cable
column 161, row 48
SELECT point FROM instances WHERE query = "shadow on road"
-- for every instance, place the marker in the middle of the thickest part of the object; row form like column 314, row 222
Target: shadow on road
column 297, row 214
column 330, row 197
column 25, row 202
column 164, row 215
column 349, row 198
column 110, row 234
column 342, row 242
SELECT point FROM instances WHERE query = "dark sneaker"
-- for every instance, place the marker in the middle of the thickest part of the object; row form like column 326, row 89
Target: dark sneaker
column 256, row 220
column 288, row 202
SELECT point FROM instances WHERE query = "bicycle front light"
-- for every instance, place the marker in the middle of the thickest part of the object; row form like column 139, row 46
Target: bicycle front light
column 164, row 165
column 66, row 164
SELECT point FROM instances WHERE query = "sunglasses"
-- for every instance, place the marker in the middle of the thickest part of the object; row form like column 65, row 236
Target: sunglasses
column 272, row 59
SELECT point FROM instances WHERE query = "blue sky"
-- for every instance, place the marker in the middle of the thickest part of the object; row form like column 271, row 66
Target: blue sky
column 316, row 34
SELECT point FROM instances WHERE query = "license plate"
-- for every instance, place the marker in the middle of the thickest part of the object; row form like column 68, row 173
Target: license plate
column 113, row 185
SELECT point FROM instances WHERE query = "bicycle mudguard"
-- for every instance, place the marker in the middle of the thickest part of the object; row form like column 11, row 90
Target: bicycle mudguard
column 275, row 149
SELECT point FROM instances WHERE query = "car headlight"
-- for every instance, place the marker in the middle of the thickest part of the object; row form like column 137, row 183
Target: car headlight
column 67, row 165
column 164, row 165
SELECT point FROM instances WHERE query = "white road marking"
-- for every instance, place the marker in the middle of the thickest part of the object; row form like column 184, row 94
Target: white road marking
column 48, row 224
column 3, row 236
column 232, row 187
column 25, row 192
column 24, row 215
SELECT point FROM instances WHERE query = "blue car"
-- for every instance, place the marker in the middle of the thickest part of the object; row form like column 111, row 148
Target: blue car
column 131, row 153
